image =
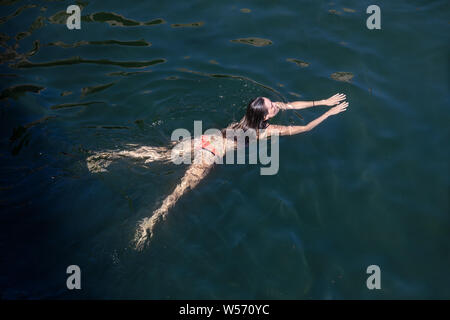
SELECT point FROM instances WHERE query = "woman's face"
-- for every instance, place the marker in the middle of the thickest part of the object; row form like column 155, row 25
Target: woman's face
column 271, row 108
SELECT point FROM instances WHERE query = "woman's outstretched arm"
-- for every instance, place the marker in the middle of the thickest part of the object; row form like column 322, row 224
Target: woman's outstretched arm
column 307, row 104
column 291, row 130
column 194, row 174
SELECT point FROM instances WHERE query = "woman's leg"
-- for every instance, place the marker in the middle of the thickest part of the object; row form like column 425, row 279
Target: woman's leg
column 190, row 180
column 99, row 161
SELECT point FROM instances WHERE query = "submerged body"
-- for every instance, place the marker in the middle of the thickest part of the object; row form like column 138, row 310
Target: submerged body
column 205, row 150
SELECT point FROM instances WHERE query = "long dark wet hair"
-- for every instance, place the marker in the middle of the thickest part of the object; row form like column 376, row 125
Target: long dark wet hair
column 254, row 119
column 254, row 116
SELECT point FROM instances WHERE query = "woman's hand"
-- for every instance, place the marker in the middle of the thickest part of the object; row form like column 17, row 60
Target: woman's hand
column 338, row 109
column 334, row 99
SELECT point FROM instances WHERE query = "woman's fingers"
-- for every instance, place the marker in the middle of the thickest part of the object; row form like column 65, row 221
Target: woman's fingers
column 338, row 97
column 335, row 99
column 343, row 106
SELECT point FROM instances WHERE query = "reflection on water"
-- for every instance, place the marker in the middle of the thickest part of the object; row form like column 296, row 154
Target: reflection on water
column 138, row 43
column 342, row 76
column 257, row 42
column 111, row 18
column 300, row 63
column 187, row 25
column 77, row 60
column 86, row 116
column 16, row 91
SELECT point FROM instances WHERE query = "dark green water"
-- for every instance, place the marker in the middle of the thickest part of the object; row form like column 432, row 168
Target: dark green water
column 369, row 186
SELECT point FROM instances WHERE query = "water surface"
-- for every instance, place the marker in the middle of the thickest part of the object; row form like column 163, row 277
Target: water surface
column 369, row 186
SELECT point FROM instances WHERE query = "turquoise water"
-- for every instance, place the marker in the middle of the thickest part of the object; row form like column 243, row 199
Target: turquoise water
column 368, row 186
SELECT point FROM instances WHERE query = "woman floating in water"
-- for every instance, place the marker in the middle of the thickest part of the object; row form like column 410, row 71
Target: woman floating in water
column 208, row 149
